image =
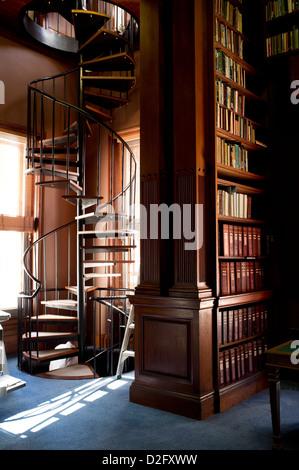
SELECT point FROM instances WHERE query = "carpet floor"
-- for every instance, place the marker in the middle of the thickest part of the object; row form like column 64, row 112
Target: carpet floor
column 50, row 414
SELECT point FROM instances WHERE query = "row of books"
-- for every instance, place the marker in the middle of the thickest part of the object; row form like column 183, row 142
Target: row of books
column 230, row 13
column 230, row 68
column 282, row 42
column 231, row 154
column 277, row 8
column 230, row 97
column 240, row 277
column 241, row 361
column 230, row 203
column 238, row 241
column 237, row 125
column 241, row 323
column 229, row 38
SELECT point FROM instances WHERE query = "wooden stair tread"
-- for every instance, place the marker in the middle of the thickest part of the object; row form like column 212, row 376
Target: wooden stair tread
column 108, row 233
column 102, row 39
column 48, row 335
column 115, row 83
column 86, row 201
column 74, row 289
column 63, row 304
column 95, row 263
column 106, row 101
column 94, row 217
column 49, row 151
column 101, row 115
column 101, row 275
column 51, row 354
column 60, row 184
column 50, row 171
column 87, row 23
column 114, row 62
column 56, row 160
column 54, row 318
column 63, row 139
column 111, row 249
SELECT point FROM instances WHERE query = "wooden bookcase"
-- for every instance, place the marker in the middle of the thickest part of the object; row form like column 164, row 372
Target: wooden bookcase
column 243, row 288
column 281, row 27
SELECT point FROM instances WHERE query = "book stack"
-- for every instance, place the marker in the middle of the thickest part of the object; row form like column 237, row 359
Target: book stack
column 240, row 277
column 229, row 121
column 238, row 241
column 230, row 97
column 229, row 38
column 238, row 362
column 282, row 42
column 239, row 323
column 277, row 8
column 233, row 204
column 231, row 154
column 230, row 13
column 230, row 68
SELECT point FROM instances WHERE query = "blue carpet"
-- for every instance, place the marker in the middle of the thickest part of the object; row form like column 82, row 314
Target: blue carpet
column 51, row 414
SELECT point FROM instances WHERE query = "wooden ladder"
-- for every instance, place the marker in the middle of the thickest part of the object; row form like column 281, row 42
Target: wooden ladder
column 125, row 352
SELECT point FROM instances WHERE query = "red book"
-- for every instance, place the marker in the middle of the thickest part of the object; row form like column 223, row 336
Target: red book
column 224, row 327
column 238, row 278
column 249, row 241
column 221, row 369
column 249, row 204
column 254, row 241
column 219, row 323
column 232, row 278
column 227, row 367
column 236, row 325
column 259, row 241
column 245, row 241
column 250, row 357
column 245, row 323
column 247, row 277
column 254, row 355
column 240, row 241
column 251, row 276
column 225, row 240
column 258, row 275
column 242, row 360
column 249, row 321
column 231, row 240
column 243, row 277
column 253, row 319
column 257, row 319
column 236, row 240
column 240, row 313
column 232, row 354
column 230, row 326
column 224, row 273
column 238, row 363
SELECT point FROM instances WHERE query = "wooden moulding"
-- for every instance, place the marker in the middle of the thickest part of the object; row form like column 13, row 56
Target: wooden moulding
column 237, row 392
column 174, row 355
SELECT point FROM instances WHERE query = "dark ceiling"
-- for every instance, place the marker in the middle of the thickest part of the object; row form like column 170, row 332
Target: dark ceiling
column 10, row 15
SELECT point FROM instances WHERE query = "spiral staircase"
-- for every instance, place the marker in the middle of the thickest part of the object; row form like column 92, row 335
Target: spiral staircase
column 76, row 277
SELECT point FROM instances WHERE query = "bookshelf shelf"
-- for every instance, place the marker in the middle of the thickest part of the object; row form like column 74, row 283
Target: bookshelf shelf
column 246, row 298
column 225, row 171
column 241, row 188
column 242, row 240
column 246, row 143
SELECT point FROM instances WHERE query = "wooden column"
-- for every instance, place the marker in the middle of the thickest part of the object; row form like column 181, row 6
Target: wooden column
column 155, row 138
column 194, row 145
column 173, row 302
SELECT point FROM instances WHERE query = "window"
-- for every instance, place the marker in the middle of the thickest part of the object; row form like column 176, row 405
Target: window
column 16, row 218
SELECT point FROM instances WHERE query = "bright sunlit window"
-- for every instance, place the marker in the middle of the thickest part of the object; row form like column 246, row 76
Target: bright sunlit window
column 12, row 217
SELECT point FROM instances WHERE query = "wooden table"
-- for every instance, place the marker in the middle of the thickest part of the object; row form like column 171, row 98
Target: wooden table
column 284, row 356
